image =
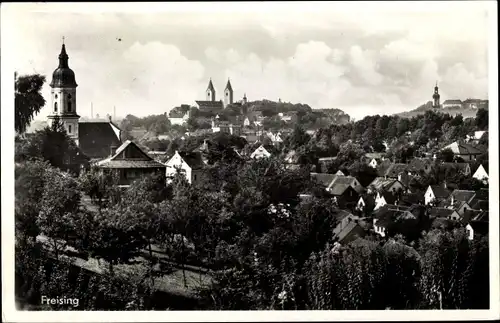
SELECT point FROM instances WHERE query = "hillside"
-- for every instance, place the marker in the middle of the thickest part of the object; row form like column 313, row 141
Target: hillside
column 453, row 111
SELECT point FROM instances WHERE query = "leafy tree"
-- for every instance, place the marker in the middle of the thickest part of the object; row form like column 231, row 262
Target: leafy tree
column 28, row 99
column 445, row 155
column 482, row 119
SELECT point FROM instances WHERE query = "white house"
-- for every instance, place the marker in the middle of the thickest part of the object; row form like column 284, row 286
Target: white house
column 260, row 152
column 481, row 174
column 189, row 164
column 434, row 192
column 178, row 118
column 452, row 103
column 470, row 231
column 464, row 151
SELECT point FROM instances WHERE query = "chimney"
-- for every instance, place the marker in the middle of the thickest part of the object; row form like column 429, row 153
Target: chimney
column 113, row 150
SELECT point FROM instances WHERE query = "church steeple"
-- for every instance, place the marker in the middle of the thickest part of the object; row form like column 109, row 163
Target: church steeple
column 436, row 97
column 228, row 93
column 63, row 58
column 210, row 91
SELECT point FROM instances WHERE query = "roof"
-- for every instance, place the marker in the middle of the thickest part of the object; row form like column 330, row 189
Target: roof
column 338, row 189
column 389, row 197
column 380, row 183
column 129, row 155
column 483, row 194
column 463, row 149
column 176, row 114
column 462, row 195
column 441, row 212
column 480, row 205
column 412, row 198
column 374, row 155
column 453, row 101
column 193, row 159
column 418, row 164
column 210, row 104
column 211, row 86
column 395, row 169
column 345, row 231
column 63, row 76
column 95, row 139
column 440, row 192
column 343, row 180
column 323, row 179
column 228, row 86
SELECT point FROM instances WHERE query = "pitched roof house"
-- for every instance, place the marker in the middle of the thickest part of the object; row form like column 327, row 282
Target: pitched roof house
column 481, row 174
column 190, row 164
column 260, row 152
column 340, row 180
column 436, row 192
column 95, row 138
column 131, row 163
column 382, row 184
column 464, row 151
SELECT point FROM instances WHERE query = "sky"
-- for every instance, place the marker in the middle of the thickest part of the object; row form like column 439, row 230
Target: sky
column 364, row 58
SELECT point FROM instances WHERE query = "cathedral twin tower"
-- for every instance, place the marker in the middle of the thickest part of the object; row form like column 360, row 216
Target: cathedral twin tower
column 228, row 93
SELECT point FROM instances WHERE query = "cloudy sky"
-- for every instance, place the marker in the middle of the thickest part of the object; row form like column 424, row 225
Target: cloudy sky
column 364, row 58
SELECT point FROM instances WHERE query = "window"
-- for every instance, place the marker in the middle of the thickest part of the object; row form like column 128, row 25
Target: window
column 56, row 96
column 55, row 106
column 69, row 106
column 69, row 128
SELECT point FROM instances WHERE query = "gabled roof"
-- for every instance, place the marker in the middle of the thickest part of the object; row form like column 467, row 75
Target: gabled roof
column 129, row 155
column 418, row 164
column 97, row 137
column 463, row 149
column 412, row 198
column 323, row 179
column 382, row 184
column 389, row 197
column 339, row 189
column 193, row 159
column 345, row 231
column 395, row 169
column 210, row 104
column 462, row 195
column 440, row 192
column 480, row 205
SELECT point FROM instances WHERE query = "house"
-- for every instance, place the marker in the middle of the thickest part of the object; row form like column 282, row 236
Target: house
column 95, row 138
column 348, row 229
column 275, row 138
column 452, row 104
column 345, row 180
column 322, row 179
column 386, row 218
column 381, row 184
column 324, row 163
column 415, row 198
column 392, row 170
column 464, row 151
column 472, row 104
column 418, row 166
column 179, row 116
column 384, row 198
column 340, row 173
column 477, row 136
column 481, row 174
column 476, row 223
column 435, row 193
column 130, row 162
column 260, row 152
column 445, row 213
column 188, row 163
column 463, row 168
column 366, row 204
column 374, row 159
column 210, row 106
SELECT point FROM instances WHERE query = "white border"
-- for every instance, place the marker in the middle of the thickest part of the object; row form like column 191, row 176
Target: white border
column 10, row 314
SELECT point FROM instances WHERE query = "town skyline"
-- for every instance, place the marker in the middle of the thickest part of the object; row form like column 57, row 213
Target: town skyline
column 373, row 65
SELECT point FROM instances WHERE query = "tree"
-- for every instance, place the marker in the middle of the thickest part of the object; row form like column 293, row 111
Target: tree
column 445, row 155
column 28, row 99
column 298, row 138
column 482, row 119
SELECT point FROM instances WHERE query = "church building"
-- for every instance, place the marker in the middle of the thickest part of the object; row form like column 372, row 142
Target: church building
column 95, row 138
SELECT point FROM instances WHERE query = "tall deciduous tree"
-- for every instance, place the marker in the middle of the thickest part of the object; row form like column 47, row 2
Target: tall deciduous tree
column 28, row 99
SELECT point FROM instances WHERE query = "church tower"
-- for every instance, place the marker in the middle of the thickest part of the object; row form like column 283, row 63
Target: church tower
column 436, row 97
column 63, row 96
column 228, row 94
column 210, row 91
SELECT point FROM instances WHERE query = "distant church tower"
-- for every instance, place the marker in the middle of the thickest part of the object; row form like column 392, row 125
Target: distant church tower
column 210, row 91
column 436, row 97
column 228, row 94
column 63, row 96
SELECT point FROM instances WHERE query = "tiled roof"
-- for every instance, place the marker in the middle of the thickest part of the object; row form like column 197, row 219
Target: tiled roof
column 210, row 104
column 395, row 169
column 347, row 230
column 323, row 179
column 139, row 158
column 462, row 195
column 463, row 149
column 418, row 164
column 389, row 197
column 97, row 138
column 441, row 212
column 412, row 198
column 380, row 183
column 338, row 189
column 193, row 159
column 440, row 192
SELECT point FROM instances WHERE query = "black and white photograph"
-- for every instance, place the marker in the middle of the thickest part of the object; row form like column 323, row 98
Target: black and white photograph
column 322, row 158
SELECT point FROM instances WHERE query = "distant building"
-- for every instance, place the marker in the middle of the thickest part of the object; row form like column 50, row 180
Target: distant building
column 436, row 97
column 228, row 94
column 436, row 192
column 452, row 104
column 177, row 117
column 260, row 152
